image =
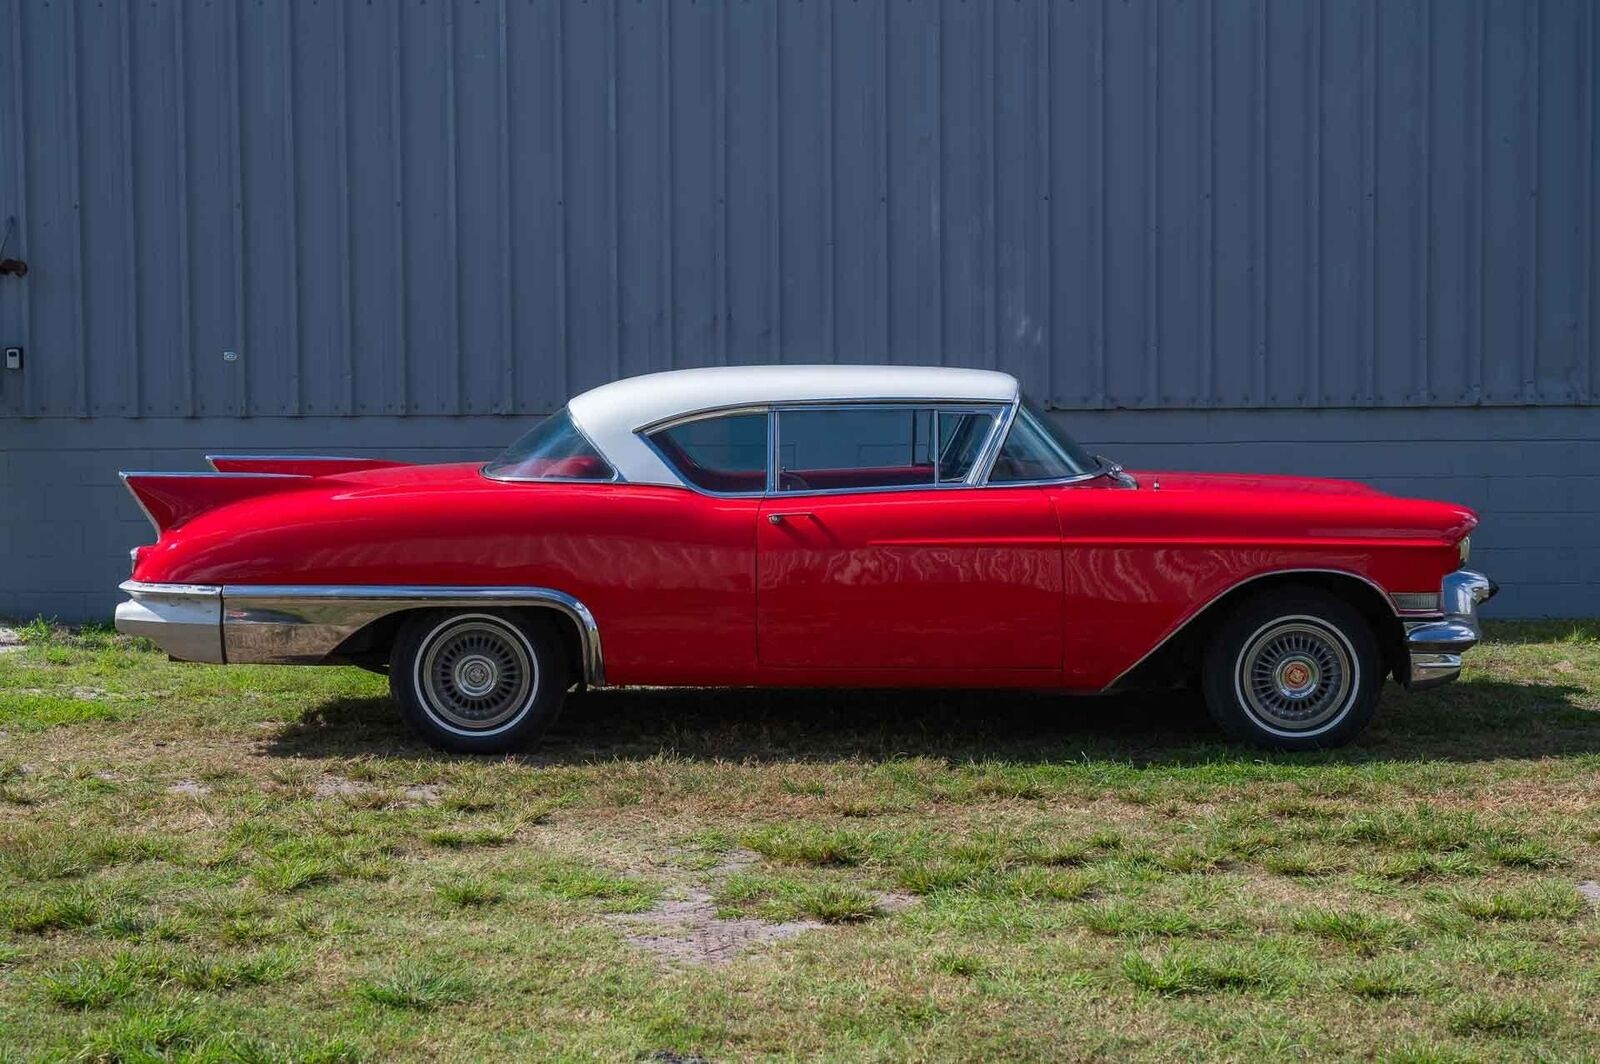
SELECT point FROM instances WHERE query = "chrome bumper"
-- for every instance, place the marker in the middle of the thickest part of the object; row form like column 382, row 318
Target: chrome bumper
column 185, row 620
column 1435, row 647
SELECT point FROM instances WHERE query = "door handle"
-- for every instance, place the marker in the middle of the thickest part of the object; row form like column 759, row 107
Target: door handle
column 778, row 519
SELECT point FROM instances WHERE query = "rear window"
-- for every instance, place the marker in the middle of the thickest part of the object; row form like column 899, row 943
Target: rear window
column 553, row 450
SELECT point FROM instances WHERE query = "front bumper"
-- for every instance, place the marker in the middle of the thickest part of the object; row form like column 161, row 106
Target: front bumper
column 1434, row 647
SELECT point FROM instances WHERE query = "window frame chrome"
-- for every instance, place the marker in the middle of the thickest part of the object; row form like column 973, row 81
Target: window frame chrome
column 1005, row 414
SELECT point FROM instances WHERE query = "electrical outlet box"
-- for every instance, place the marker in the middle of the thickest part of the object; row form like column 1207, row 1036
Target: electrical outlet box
column 13, row 358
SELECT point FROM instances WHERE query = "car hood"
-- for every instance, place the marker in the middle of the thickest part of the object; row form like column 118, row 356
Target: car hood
column 1250, row 482
column 1283, row 506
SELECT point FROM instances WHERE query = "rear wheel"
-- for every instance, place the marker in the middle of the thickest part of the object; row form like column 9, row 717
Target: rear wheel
column 478, row 682
column 1293, row 670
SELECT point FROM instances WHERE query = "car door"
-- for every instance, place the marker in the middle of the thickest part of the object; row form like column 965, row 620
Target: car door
column 874, row 553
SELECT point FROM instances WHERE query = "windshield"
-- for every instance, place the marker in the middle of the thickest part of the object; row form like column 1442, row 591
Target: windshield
column 553, row 450
column 1037, row 449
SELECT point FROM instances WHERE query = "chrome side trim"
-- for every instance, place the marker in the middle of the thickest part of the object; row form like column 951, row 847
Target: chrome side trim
column 213, row 475
column 185, row 620
column 1183, row 624
column 295, row 624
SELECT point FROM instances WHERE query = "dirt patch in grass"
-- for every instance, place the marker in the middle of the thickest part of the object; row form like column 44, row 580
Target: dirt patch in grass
column 688, row 930
column 688, row 925
column 337, row 787
column 685, row 927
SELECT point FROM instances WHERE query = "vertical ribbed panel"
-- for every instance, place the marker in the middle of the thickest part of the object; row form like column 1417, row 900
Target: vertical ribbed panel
column 469, row 208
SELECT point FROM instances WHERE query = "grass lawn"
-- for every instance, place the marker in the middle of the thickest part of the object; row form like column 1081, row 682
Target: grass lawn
column 258, row 864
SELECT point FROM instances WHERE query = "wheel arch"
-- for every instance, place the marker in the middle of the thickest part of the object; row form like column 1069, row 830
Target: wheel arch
column 369, row 645
column 1177, row 656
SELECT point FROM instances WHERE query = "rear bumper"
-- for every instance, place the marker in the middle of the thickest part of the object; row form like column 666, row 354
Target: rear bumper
column 1434, row 647
column 185, row 620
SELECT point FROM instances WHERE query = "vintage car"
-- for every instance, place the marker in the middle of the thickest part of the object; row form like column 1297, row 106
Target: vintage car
column 807, row 526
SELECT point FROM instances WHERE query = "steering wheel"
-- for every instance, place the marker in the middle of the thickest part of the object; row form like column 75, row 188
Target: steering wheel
column 788, row 481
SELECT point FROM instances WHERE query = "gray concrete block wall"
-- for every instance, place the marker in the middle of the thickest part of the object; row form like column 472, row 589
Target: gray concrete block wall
column 66, row 522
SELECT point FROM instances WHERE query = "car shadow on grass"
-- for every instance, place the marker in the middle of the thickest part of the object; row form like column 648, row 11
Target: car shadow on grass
column 1482, row 720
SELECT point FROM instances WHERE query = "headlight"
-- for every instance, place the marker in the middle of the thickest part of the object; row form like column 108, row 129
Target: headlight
column 1464, row 548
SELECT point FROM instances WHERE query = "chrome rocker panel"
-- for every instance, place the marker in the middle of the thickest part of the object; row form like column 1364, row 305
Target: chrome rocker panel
column 303, row 625
column 1435, row 646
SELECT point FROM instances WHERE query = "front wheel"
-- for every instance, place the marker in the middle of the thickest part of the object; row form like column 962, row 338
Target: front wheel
column 1293, row 670
column 478, row 682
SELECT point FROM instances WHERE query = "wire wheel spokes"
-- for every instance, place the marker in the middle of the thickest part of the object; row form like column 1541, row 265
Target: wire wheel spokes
column 1296, row 674
column 476, row 673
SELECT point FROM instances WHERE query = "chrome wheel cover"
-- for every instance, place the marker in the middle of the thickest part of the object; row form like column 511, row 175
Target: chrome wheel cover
column 1297, row 676
column 476, row 674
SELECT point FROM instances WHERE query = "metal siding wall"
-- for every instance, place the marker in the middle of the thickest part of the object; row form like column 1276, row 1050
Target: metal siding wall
column 481, row 207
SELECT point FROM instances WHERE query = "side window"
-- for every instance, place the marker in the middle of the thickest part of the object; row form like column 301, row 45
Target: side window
column 877, row 447
column 725, row 454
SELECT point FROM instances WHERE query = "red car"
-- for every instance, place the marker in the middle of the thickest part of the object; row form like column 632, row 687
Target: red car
column 807, row 526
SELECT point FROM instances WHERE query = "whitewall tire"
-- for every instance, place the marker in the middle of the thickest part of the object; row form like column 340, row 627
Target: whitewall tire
column 478, row 681
column 1297, row 669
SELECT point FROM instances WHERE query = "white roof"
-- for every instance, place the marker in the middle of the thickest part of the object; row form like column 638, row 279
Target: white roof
column 612, row 414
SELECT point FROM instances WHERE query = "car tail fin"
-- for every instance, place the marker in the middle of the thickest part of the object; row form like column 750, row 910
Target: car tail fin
column 302, row 465
column 171, row 499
